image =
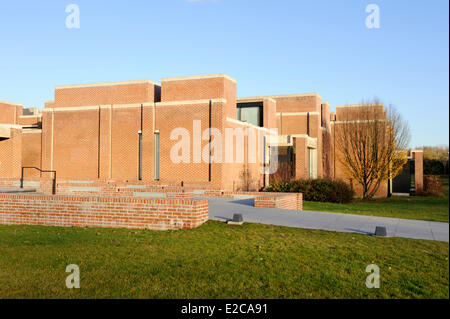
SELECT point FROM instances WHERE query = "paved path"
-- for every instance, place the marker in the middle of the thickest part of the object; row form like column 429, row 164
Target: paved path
column 223, row 209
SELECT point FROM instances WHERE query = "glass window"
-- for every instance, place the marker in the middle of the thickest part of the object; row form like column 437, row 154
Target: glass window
column 312, row 163
column 156, row 154
column 250, row 115
column 250, row 112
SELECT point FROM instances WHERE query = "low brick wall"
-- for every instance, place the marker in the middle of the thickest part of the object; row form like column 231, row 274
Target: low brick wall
column 142, row 190
column 277, row 200
column 43, row 185
column 108, row 212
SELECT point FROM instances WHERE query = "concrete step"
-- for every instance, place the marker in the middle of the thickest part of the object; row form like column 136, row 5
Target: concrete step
column 13, row 190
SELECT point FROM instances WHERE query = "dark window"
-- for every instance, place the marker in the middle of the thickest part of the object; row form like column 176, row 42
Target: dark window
column 251, row 112
column 140, row 157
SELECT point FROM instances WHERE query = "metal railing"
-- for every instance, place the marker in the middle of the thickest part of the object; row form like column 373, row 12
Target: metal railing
column 42, row 171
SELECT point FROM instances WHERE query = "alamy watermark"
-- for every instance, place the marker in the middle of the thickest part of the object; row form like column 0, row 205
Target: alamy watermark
column 227, row 146
column 373, row 280
column 73, row 19
column 373, row 19
column 73, row 280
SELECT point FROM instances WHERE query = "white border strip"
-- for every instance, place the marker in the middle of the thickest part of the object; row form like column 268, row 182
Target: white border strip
column 10, row 103
column 190, row 102
column 15, row 126
column 30, row 116
column 74, row 108
column 281, row 96
column 251, row 125
column 199, row 77
column 254, row 99
column 297, row 113
column 134, row 105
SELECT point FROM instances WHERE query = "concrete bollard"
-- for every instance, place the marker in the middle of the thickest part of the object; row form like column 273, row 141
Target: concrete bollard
column 380, row 231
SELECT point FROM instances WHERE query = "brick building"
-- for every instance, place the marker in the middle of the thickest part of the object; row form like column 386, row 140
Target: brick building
column 127, row 131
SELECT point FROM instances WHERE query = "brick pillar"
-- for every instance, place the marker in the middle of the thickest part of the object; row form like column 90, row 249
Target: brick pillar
column 418, row 170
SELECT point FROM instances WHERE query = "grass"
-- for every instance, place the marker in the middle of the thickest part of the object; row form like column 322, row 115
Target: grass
column 217, row 261
column 416, row 207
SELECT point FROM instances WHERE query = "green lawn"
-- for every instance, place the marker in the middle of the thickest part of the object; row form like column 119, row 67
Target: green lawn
column 416, row 207
column 217, row 261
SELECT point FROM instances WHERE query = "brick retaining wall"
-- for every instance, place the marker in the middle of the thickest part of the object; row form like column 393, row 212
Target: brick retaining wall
column 138, row 189
column 277, row 200
column 108, row 212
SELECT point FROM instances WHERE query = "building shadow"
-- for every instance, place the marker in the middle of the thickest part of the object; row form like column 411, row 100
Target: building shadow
column 247, row 202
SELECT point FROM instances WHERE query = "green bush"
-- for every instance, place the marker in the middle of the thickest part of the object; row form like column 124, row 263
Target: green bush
column 315, row 190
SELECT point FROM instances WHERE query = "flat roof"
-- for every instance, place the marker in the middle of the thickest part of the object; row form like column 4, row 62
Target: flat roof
column 10, row 103
column 279, row 96
column 198, row 77
column 254, row 99
column 57, row 87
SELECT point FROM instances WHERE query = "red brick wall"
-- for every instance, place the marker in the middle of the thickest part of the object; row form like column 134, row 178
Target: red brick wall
column 106, row 94
column 301, row 158
column 298, row 103
column 10, row 113
column 271, row 200
column 111, row 188
column 193, row 88
column 75, row 144
column 354, row 112
column 201, row 88
column 84, row 211
column 11, row 154
column 270, row 114
column 418, row 170
column 103, row 142
column 31, row 152
column 125, row 142
column 281, row 201
column 170, row 117
column 292, row 124
column 30, row 120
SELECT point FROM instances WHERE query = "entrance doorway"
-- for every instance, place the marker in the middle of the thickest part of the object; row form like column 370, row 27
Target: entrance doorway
column 403, row 183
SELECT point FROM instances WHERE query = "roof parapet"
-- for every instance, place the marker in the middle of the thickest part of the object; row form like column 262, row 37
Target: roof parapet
column 88, row 85
column 199, row 77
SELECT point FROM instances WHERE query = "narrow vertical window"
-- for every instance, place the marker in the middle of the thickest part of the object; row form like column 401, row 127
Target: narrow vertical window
column 312, row 163
column 140, row 156
column 156, row 155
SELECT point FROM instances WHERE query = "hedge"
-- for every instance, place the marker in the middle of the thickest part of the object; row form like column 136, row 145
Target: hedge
column 315, row 190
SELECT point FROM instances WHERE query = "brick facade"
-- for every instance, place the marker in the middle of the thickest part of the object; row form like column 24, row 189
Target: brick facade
column 107, row 131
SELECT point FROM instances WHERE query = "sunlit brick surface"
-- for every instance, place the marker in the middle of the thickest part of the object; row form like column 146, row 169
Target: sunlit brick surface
column 91, row 132
column 106, row 94
column 108, row 212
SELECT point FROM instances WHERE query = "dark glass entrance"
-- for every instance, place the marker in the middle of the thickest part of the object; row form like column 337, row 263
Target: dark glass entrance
column 404, row 182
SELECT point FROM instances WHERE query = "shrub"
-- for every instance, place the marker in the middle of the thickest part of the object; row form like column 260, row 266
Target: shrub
column 315, row 190
column 434, row 167
column 432, row 186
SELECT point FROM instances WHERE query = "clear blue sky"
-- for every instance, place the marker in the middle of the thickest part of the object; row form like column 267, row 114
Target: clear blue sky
column 270, row 47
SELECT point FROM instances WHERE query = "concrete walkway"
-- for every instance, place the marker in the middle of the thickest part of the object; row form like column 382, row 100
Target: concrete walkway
column 223, row 209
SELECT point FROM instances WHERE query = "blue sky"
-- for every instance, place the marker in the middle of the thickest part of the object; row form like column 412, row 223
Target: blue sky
column 270, row 47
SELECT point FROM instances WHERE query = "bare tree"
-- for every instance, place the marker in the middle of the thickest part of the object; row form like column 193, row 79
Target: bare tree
column 371, row 144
